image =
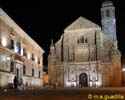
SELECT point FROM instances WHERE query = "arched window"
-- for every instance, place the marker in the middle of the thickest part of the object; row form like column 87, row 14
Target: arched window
column 107, row 13
column 82, row 39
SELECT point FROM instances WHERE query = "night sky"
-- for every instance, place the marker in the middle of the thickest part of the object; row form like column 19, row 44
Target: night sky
column 44, row 20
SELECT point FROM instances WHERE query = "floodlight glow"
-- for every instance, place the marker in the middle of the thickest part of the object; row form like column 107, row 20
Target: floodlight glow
column 4, row 42
column 123, row 69
column 28, row 56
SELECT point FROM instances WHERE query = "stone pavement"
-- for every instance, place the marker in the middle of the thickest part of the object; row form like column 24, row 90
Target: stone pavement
column 65, row 94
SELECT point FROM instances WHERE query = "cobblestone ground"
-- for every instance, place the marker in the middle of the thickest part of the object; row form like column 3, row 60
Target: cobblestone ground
column 65, row 94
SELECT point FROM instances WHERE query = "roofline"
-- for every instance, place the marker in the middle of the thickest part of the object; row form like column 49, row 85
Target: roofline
column 18, row 29
column 67, row 28
column 82, row 29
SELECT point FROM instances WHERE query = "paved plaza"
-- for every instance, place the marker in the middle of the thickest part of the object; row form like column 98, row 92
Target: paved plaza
column 65, row 94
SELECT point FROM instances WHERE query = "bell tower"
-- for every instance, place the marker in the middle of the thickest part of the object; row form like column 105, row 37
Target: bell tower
column 109, row 29
column 109, row 21
column 51, row 63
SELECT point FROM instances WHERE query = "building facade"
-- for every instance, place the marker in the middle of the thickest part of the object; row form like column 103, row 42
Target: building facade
column 20, row 55
column 86, row 54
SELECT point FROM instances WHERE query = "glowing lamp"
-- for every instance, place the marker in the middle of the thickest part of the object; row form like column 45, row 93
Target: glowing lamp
column 123, row 69
column 8, row 58
column 36, row 60
column 98, row 83
column 28, row 56
column 4, row 42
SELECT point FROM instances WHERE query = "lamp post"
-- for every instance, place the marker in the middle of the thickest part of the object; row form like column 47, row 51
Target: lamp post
column 123, row 76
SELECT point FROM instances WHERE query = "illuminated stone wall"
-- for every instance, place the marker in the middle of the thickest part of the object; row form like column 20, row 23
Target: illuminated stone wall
column 83, row 48
column 20, row 55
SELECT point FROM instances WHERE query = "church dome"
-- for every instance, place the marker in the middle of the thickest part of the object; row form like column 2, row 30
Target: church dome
column 107, row 3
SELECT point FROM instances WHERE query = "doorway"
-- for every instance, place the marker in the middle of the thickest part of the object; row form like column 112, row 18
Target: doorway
column 83, row 80
column 17, row 73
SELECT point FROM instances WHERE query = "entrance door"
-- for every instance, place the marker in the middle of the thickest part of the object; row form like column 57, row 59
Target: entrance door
column 83, row 81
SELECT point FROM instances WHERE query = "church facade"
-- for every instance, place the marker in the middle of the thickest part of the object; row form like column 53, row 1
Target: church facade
column 86, row 54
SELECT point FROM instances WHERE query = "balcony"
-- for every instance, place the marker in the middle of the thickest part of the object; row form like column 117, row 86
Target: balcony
column 18, row 57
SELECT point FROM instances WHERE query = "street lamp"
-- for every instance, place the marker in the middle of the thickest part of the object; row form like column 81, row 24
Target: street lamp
column 123, row 75
column 123, row 69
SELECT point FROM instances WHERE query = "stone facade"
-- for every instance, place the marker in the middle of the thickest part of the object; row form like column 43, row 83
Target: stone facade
column 87, row 56
column 20, row 55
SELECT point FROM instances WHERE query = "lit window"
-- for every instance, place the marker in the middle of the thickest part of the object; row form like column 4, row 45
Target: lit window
column 18, row 48
column 6, row 61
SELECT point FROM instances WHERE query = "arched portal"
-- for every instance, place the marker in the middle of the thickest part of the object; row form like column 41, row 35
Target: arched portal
column 83, row 80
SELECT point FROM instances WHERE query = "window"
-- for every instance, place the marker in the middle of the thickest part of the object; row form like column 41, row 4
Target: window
column 33, row 57
column 86, row 40
column 8, row 61
column 38, row 60
column 12, row 66
column 32, row 72
column 5, row 60
column 24, row 69
column 24, row 52
column 18, row 48
column 82, row 39
column 12, row 45
column 39, row 74
column 107, row 13
column 78, row 41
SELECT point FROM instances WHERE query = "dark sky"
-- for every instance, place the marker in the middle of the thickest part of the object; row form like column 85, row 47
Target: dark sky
column 44, row 20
